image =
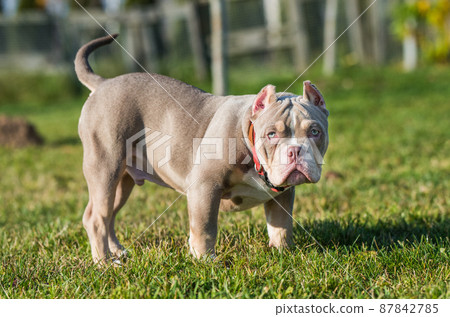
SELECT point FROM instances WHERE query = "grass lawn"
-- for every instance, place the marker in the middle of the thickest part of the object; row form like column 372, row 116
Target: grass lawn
column 381, row 231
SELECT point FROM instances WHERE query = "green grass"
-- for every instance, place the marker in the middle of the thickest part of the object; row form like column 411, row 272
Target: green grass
column 384, row 226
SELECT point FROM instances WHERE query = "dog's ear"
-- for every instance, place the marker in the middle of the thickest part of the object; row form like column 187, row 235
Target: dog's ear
column 263, row 100
column 313, row 95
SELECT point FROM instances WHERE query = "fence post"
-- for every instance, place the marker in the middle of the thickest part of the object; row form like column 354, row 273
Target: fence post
column 131, row 40
column 410, row 49
column 378, row 21
column 272, row 15
column 218, row 47
column 149, row 49
column 298, row 35
column 193, row 23
column 355, row 31
column 329, row 35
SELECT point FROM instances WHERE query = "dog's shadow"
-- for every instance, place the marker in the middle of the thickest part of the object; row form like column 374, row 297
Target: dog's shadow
column 383, row 234
column 66, row 141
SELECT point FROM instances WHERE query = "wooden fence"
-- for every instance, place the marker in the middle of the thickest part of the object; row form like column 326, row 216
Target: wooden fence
column 304, row 28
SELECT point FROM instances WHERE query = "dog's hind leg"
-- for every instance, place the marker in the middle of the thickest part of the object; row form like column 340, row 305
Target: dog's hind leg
column 102, row 177
column 123, row 191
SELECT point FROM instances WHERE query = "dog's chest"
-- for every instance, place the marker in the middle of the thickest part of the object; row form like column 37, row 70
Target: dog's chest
column 249, row 192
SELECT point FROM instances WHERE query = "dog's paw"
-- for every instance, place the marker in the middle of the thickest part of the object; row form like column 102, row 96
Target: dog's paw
column 118, row 252
column 281, row 244
column 206, row 257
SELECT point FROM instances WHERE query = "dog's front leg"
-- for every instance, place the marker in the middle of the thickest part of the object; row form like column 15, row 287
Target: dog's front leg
column 203, row 205
column 279, row 219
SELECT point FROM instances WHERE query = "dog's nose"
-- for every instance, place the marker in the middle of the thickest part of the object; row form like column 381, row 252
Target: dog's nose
column 293, row 152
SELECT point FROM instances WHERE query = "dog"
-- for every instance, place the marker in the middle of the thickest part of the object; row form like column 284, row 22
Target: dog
column 226, row 153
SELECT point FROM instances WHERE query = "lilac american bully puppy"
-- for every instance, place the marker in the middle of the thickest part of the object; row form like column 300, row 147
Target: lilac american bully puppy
column 224, row 153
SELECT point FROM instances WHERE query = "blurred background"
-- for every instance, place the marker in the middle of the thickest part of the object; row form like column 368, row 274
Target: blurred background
column 383, row 198
column 44, row 35
column 223, row 47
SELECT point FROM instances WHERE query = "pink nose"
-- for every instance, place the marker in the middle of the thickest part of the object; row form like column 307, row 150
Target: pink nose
column 293, row 152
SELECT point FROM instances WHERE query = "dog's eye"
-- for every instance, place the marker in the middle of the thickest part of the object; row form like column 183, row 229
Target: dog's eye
column 314, row 132
column 271, row 135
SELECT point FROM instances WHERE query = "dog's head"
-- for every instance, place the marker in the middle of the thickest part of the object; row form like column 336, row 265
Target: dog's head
column 291, row 134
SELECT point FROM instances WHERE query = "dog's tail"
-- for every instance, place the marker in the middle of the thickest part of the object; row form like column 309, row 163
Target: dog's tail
column 84, row 72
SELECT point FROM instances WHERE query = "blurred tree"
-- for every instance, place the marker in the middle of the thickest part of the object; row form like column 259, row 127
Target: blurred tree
column 428, row 21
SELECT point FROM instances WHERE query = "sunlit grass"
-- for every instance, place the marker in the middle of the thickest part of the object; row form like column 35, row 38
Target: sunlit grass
column 385, row 222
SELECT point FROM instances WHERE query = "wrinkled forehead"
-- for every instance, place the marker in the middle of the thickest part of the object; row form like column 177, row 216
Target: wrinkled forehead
column 290, row 110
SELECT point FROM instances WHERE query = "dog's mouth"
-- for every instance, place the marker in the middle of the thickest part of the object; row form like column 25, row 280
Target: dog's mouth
column 294, row 175
column 296, row 178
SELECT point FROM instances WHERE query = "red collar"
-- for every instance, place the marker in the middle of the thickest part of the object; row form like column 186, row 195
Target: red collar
column 258, row 166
